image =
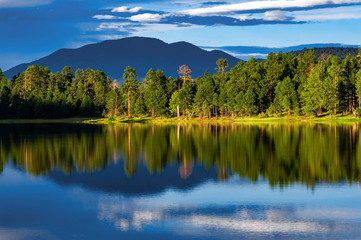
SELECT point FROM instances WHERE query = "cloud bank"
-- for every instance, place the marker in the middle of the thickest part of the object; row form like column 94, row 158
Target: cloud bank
column 265, row 5
column 143, row 18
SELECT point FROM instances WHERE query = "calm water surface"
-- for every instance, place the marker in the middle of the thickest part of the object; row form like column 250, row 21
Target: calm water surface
column 187, row 181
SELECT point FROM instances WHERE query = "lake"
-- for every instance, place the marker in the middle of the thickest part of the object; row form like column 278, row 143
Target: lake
column 180, row 181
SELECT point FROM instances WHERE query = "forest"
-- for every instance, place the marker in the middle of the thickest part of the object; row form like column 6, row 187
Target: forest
column 280, row 85
column 340, row 52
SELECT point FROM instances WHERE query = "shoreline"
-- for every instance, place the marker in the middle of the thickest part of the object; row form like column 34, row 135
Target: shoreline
column 284, row 119
column 118, row 120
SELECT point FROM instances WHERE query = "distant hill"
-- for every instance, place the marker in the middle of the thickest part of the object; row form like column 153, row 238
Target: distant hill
column 246, row 52
column 113, row 56
column 340, row 52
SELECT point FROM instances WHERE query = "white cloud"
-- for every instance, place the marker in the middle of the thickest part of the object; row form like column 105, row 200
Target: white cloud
column 112, row 25
column 184, row 24
column 328, row 14
column 327, row 17
column 126, row 9
column 245, row 17
column 106, row 17
column 22, row 3
column 276, row 15
column 156, row 28
column 146, row 17
column 262, row 5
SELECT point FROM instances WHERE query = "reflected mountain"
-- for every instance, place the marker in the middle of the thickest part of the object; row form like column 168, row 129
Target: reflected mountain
column 113, row 179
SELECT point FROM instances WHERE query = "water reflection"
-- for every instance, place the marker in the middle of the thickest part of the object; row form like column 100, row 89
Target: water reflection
column 281, row 153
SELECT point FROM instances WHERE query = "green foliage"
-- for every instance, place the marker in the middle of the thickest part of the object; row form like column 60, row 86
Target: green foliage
column 358, row 112
column 186, row 95
column 113, row 102
column 246, row 102
column 281, row 85
column 156, row 92
column 130, row 86
column 174, row 103
column 358, row 87
column 312, row 95
column 203, row 100
column 286, row 101
column 222, row 64
column 111, row 119
column 140, row 107
column 340, row 52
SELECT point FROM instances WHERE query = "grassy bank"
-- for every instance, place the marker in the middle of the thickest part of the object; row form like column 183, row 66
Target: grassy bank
column 322, row 119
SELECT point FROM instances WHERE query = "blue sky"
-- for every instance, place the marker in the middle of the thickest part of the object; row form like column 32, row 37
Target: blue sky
column 32, row 29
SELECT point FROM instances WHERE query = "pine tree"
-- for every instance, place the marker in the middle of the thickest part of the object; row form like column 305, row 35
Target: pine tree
column 130, row 85
column 247, row 102
column 273, row 72
column 155, row 92
column 285, row 101
column 86, row 106
column 174, row 104
column 349, row 69
column 331, row 85
column 312, row 94
column 203, row 100
column 186, row 95
column 140, row 108
column 358, row 87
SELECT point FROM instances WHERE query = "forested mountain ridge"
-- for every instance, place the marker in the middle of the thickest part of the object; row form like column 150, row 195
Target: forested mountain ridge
column 280, row 85
column 246, row 52
column 112, row 56
column 340, row 52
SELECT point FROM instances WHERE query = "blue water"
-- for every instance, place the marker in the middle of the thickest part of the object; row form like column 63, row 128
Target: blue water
column 47, row 207
column 72, row 181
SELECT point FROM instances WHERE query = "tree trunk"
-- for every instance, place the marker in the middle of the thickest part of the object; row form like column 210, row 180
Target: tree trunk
column 178, row 115
column 350, row 100
column 116, row 106
column 129, row 116
column 153, row 113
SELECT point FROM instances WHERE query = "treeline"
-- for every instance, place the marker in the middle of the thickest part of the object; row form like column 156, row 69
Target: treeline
column 340, row 52
column 281, row 85
column 38, row 93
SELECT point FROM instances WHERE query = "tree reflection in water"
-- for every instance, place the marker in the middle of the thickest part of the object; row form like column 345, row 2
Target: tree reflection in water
column 281, row 153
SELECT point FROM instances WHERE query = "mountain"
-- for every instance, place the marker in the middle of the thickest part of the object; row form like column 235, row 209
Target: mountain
column 246, row 52
column 113, row 56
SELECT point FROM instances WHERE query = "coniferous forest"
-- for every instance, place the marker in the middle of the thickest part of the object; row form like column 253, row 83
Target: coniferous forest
column 280, row 85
